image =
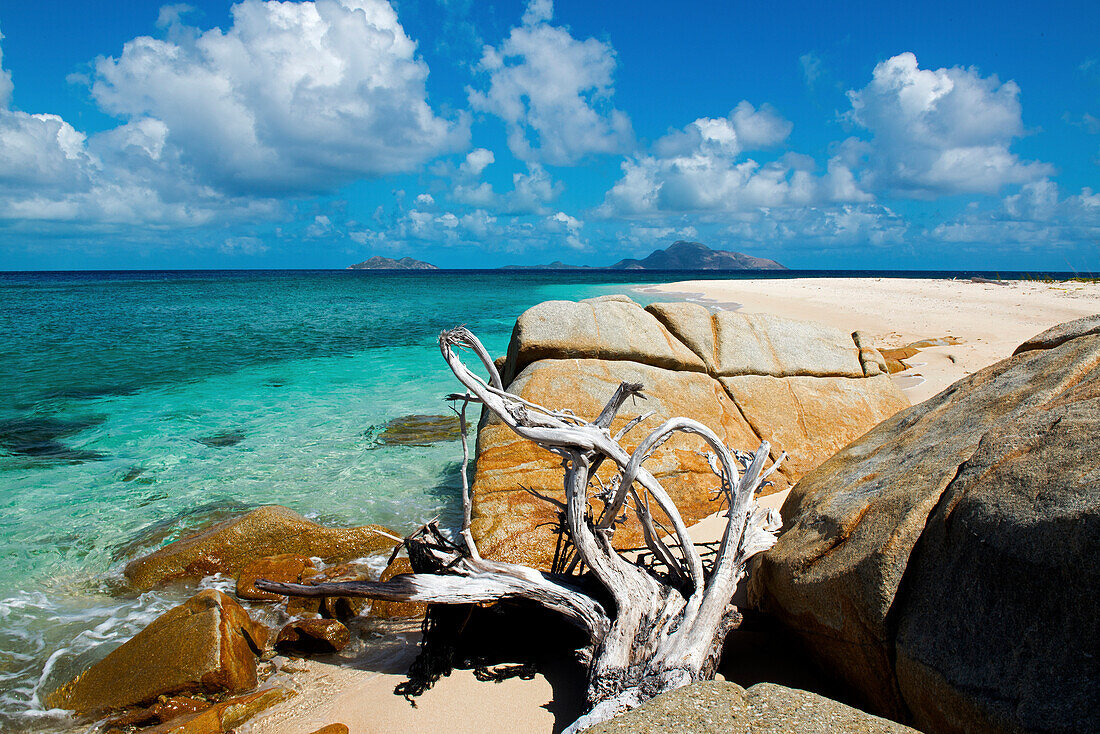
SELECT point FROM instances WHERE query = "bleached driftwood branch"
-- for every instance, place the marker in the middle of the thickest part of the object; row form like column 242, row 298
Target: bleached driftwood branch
column 665, row 628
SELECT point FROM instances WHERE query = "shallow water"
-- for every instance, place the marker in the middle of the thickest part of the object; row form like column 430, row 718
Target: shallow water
column 137, row 406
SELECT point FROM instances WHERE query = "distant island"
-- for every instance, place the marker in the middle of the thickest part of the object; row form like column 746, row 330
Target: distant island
column 388, row 263
column 680, row 255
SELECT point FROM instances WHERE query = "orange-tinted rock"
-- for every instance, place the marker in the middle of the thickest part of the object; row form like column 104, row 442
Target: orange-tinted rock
column 394, row 609
column 266, row 531
column 512, row 524
column 332, row 729
column 286, row 568
column 160, row 712
column 310, row 636
column 224, row 717
column 811, row 418
column 208, row 643
column 332, row 607
column 828, row 389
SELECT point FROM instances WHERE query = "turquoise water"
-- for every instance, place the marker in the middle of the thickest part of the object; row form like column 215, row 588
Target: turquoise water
column 136, row 406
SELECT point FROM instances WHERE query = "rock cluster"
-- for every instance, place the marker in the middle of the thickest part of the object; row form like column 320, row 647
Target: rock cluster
column 209, row 646
column 807, row 389
column 944, row 565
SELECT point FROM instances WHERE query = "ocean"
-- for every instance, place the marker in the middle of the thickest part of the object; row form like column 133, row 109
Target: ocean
column 136, row 406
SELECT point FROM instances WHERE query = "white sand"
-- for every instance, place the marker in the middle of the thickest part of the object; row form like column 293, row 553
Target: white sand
column 361, row 695
column 991, row 320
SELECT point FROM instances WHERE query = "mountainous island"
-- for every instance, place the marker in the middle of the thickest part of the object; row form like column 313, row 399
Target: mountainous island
column 388, row 263
column 680, row 255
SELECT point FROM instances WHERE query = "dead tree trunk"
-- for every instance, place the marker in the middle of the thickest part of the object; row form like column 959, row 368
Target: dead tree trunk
column 667, row 626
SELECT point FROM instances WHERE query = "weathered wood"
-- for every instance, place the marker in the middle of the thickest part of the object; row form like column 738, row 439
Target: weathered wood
column 666, row 626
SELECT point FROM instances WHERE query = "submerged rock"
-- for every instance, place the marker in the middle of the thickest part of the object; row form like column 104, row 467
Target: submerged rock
column 714, row 707
column 417, row 430
column 221, row 439
column 38, row 437
column 944, row 565
column 207, row 644
column 266, row 531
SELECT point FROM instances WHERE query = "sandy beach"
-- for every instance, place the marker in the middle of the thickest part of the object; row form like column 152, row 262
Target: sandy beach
column 989, row 320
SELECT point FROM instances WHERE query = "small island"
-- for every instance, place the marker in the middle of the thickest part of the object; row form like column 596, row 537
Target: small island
column 388, row 263
column 680, row 255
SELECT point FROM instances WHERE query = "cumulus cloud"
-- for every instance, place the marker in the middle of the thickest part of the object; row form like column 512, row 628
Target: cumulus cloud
column 293, row 97
column 476, row 161
column 553, row 92
column 939, row 132
column 700, row 169
column 1038, row 215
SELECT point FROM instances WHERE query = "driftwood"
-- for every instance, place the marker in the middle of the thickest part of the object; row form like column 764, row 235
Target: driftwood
column 660, row 625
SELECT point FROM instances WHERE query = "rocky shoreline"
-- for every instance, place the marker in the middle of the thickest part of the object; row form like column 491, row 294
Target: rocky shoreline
column 919, row 543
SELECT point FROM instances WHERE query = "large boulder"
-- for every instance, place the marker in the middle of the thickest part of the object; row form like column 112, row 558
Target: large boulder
column 207, row 644
column 805, row 388
column 715, row 707
column 944, row 565
column 609, row 328
column 266, row 531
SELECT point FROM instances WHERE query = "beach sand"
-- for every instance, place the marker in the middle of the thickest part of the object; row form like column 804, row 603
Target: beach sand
column 990, row 320
column 360, row 694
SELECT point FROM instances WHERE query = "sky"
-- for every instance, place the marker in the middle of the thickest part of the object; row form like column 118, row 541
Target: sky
column 869, row 135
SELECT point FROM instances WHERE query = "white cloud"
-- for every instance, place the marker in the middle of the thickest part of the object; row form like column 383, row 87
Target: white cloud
column 1035, row 216
column 700, row 169
column 293, row 97
column 939, row 132
column 476, row 162
column 553, row 92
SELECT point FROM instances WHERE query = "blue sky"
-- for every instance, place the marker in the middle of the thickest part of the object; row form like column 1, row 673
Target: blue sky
column 471, row 134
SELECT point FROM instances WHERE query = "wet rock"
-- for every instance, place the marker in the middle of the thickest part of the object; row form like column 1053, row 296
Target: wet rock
column 163, row 710
column 937, row 565
column 332, row 607
column 224, row 717
column 287, row 568
column 417, row 430
column 222, row 439
column 395, row 609
column 333, row 729
column 313, row 636
column 266, row 531
column 714, row 707
column 207, row 644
